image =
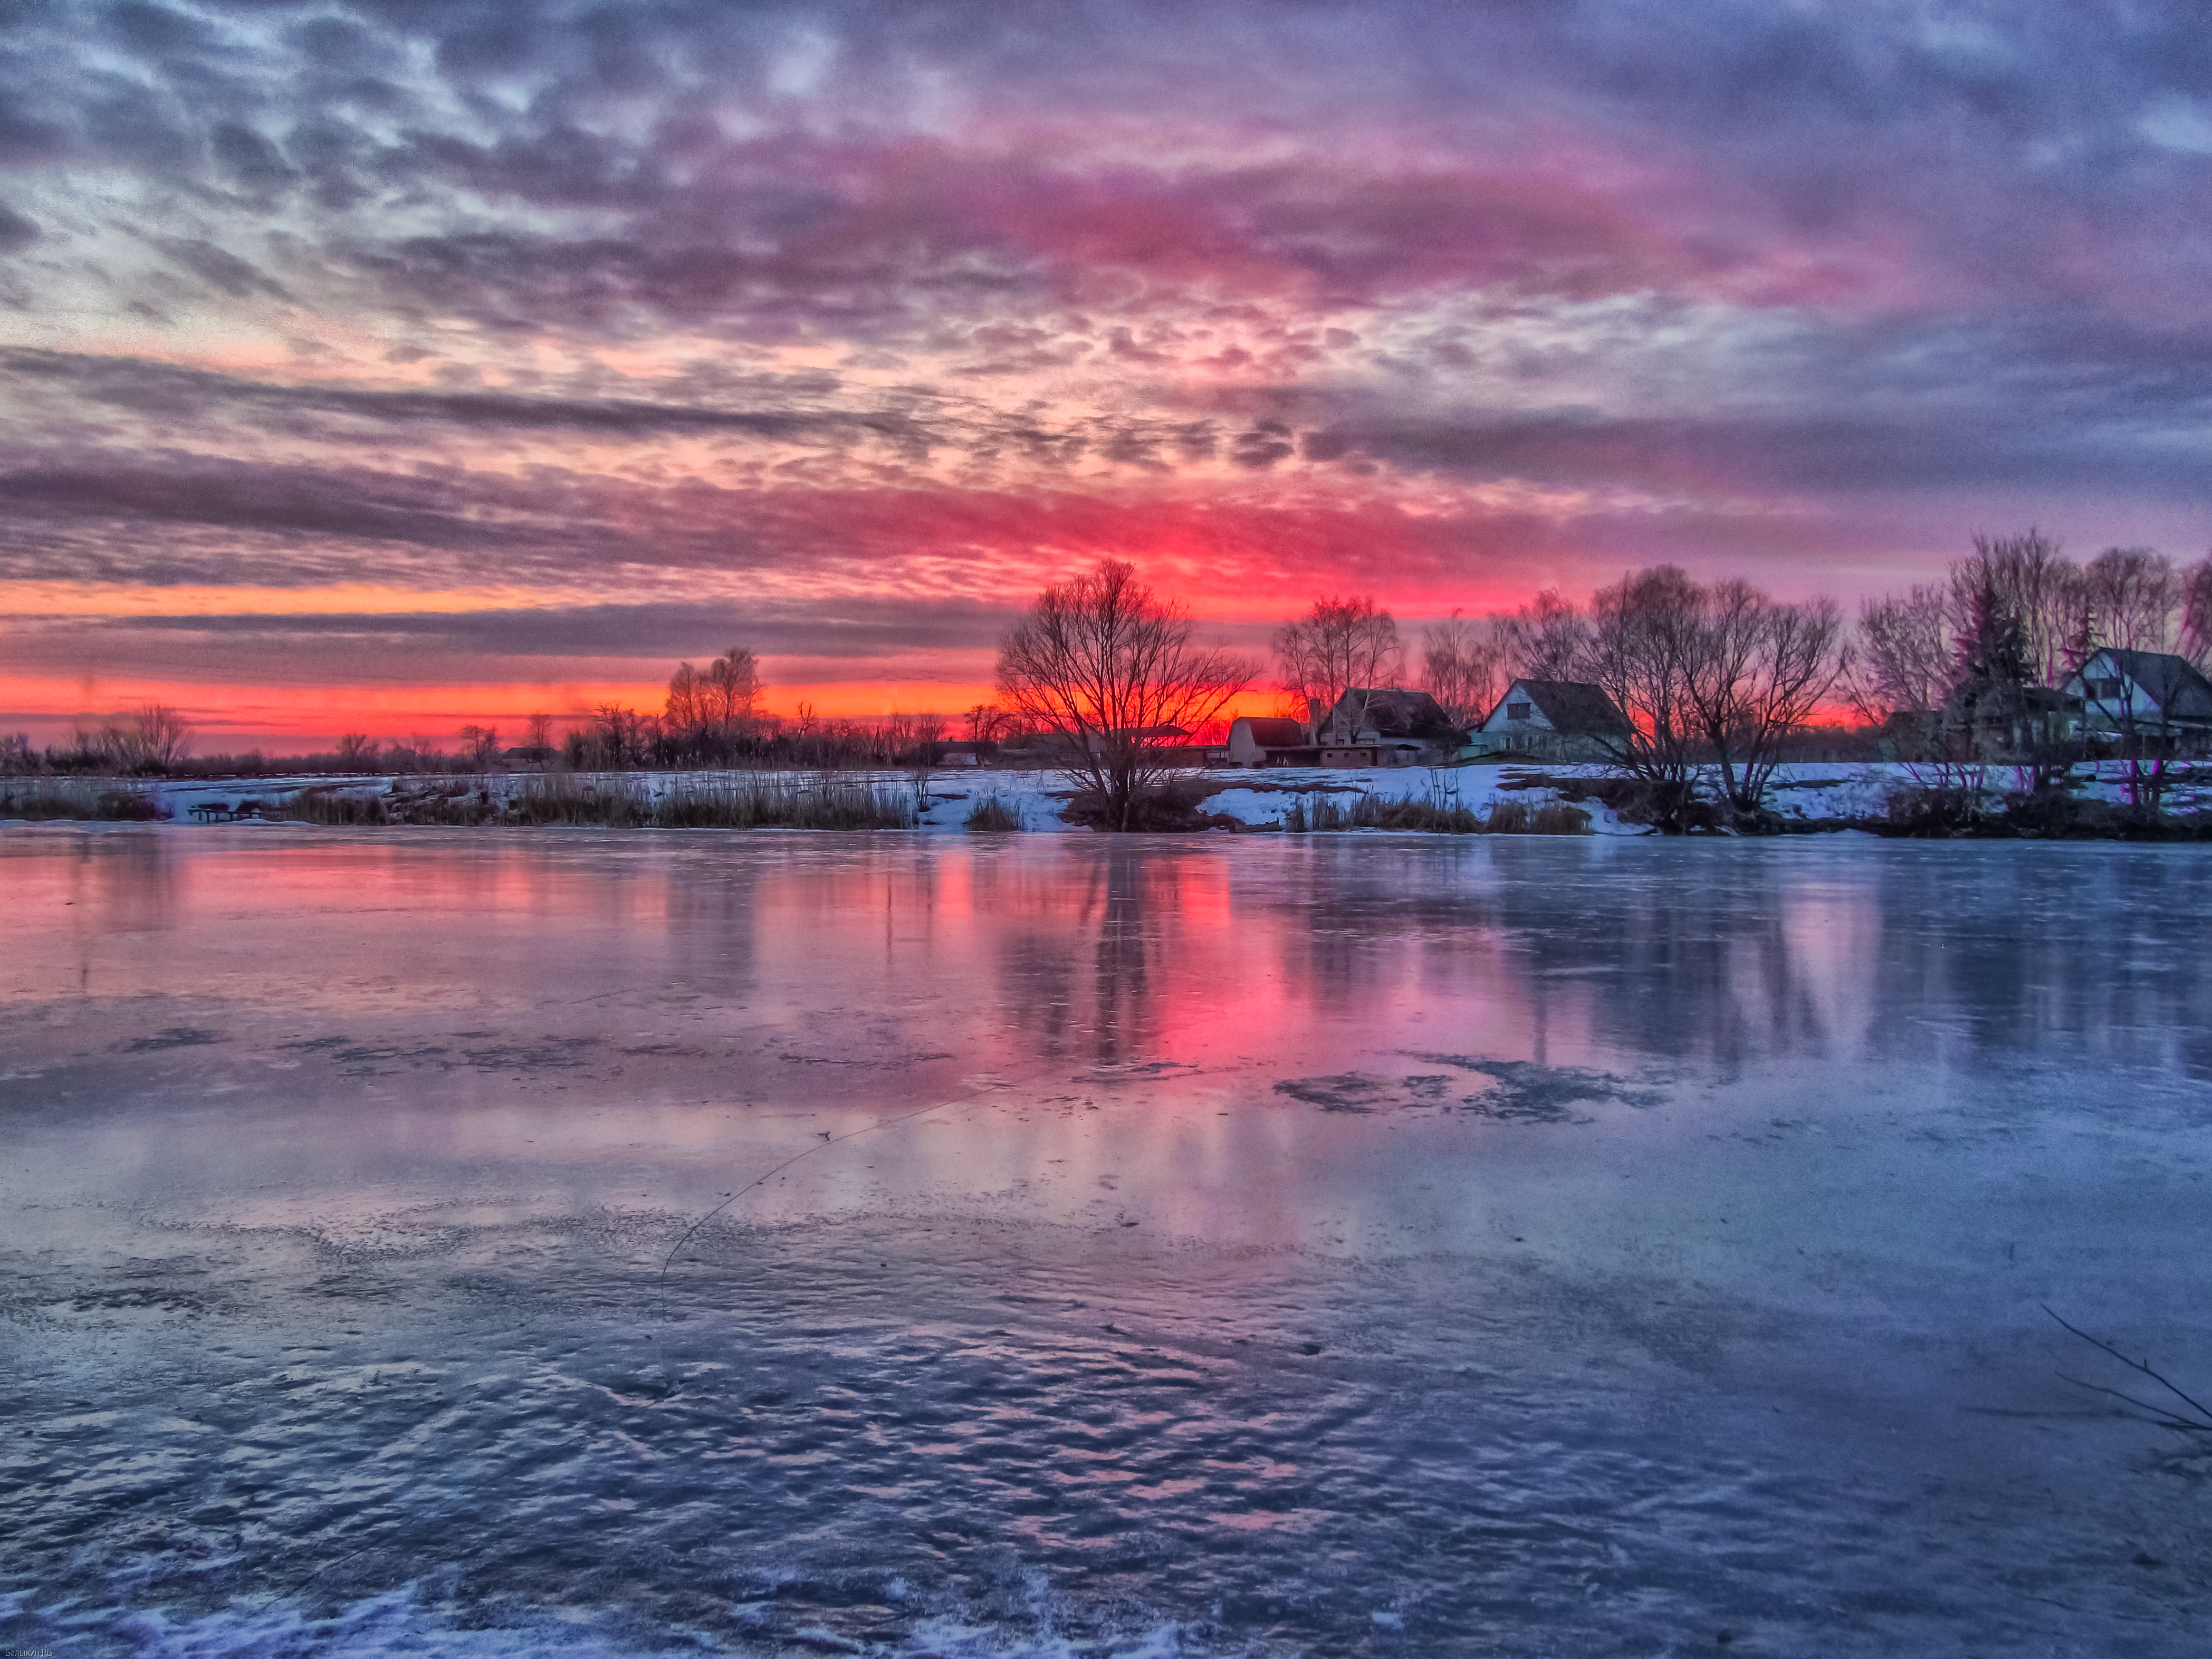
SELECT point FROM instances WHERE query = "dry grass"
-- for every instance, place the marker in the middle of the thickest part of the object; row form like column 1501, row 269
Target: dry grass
column 101, row 800
column 1433, row 817
column 991, row 816
column 1513, row 817
column 747, row 801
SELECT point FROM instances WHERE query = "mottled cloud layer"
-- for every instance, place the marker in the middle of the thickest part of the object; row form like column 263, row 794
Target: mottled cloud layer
column 584, row 334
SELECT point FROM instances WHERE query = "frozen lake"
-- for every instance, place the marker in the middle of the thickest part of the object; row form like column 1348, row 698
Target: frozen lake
column 534, row 1242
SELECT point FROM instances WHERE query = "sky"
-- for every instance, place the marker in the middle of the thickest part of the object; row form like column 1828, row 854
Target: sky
column 387, row 366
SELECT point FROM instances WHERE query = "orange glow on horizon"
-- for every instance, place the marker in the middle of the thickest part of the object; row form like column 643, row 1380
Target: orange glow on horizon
column 236, row 717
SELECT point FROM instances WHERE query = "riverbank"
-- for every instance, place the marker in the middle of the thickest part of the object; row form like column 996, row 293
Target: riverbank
column 1809, row 798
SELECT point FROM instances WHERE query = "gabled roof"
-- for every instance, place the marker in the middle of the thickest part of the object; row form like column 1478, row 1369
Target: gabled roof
column 1274, row 733
column 1390, row 712
column 2179, row 689
column 1574, row 708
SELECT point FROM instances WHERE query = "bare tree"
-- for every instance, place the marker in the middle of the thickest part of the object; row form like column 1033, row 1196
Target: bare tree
column 616, row 738
column 481, row 742
column 152, row 740
column 541, row 731
column 1642, row 638
column 1907, row 656
column 1462, row 669
column 356, row 747
column 2033, row 581
column 2197, row 614
column 712, row 710
column 1544, row 640
column 2132, row 599
column 1103, row 662
column 988, row 723
column 1755, row 672
column 423, row 753
column 1341, row 645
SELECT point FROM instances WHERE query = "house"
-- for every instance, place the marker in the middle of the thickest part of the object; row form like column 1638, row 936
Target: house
column 1552, row 719
column 1253, row 741
column 1385, row 725
column 2139, row 693
column 2003, row 718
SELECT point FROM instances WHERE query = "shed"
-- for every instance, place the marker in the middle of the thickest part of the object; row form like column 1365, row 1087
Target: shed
column 1254, row 740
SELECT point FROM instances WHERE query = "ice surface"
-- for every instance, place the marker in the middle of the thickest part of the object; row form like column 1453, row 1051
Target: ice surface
column 485, row 1242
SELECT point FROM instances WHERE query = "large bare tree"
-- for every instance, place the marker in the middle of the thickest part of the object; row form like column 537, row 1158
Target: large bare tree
column 2132, row 599
column 1907, row 654
column 2032, row 581
column 1544, row 640
column 1103, row 662
column 1709, row 677
column 1640, row 642
column 1756, row 672
column 1341, row 645
column 1462, row 663
column 711, row 709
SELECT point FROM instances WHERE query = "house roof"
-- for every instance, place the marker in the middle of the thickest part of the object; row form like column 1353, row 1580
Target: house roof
column 1575, row 707
column 2179, row 689
column 1391, row 711
column 1274, row 733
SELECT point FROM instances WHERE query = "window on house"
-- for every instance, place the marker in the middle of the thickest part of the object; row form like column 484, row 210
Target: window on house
column 1517, row 711
column 2105, row 691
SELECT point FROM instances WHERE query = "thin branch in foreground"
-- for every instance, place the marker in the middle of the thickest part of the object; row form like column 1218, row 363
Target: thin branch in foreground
column 2202, row 1422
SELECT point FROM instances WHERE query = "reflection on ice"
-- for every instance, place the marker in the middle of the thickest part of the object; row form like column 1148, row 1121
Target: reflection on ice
column 486, row 1243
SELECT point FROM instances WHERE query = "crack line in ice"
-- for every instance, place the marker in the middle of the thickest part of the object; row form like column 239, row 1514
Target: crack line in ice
column 827, row 1142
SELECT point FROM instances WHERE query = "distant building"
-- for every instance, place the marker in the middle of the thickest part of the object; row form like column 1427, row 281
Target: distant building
column 1385, row 725
column 966, row 752
column 1552, row 719
column 2000, row 719
column 1146, row 738
column 1255, row 741
column 2140, row 693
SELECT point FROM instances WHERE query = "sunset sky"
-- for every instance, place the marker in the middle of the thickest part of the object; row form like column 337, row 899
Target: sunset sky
column 390, row 366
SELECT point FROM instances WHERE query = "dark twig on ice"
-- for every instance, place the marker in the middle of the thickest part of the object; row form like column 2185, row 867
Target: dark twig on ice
column 2166, row 1415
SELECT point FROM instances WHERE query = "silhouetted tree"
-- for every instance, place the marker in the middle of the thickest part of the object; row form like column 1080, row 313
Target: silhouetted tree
column 1640, row 647
column 711, row 712
column 2131, row 598
column 1102, row 662
column 1462, row 669
column 2031, row 581
column 1341, row 645
column 481, row 743
column 1544, row 640
column 1756, row 672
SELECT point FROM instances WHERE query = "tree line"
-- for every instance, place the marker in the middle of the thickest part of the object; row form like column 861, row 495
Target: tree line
column 1713, row 677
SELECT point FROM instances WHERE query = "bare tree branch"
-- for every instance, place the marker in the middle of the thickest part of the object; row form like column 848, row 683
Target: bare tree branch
column 2204, row 1420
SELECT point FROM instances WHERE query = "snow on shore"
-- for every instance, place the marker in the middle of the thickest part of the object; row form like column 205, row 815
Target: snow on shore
column 1820, row 793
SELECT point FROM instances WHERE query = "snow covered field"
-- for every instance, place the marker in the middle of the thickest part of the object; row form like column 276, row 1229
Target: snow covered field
column 1259, row 799
column 490, row 1241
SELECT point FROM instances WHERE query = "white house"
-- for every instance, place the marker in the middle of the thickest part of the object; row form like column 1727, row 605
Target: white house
column 1552, row 720
column 2143, row 693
